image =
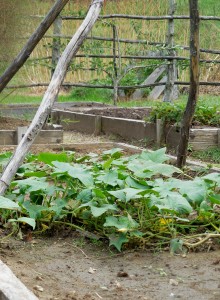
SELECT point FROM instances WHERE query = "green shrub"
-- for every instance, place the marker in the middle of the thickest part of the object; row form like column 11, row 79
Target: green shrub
column 173, row 113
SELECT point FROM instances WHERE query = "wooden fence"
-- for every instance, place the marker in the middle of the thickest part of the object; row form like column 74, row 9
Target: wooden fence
column 169, row 57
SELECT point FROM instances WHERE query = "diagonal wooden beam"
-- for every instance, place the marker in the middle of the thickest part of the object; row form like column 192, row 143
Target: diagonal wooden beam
column 31, row 43
column 50, row 95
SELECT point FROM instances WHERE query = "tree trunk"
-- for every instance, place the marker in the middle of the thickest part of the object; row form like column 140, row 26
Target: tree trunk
column 32, row 43
column 194, row 84
column 50, row 95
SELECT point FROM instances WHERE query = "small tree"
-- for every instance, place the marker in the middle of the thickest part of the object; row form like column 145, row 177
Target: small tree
column 194, row 84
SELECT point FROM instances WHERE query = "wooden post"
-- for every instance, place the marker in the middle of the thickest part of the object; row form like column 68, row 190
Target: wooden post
column 50, row 95
column 31, row 43
column 171, row 92
column 98, row 125
column 56, row 43
column 159, row 131
column 115, row 81
column 194, row 84
column 219, row 138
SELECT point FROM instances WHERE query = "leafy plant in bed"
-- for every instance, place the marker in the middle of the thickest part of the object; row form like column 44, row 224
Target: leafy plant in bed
column 138, row 199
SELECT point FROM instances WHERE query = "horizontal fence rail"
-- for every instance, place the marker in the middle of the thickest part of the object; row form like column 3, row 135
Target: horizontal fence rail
column 127, row 41
column 147, row 18
column 142, row 86
column 166, row 59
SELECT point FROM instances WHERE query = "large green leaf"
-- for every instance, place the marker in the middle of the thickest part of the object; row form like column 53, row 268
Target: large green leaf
column 4, row 158
column 131, row 182
column 122, row 223
column 25, row 220
column 126, row 194
column 114, row 153
column 214, row 198
column 213, row 177
column 48, row 157
column 85, row 195
column 146, row 169
column 32, row 184
column 6, row 203
column 57, row 205
column 118, row 240
column 34, row 211
column 158, row 156
column 173, row 202
column 109, row 178
column 98, row 211
column 76, row 171
column 195, row 190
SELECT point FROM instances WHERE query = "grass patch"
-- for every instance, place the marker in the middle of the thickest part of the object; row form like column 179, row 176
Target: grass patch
column 103, row 96
column 211, row 155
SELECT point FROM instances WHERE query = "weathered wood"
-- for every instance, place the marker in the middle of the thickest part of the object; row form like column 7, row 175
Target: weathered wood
column 219, row 138
column 128, row 41
column 56, row 43
column 126, row 87
column 11, row 287
column 159, row 132
column 170, row 92
column 114, row 52
column 50, row 95
column 194, row 86
column 135, row 17
column 31, row 44
column 158, row 90
column 98, row 125
column 138, row 94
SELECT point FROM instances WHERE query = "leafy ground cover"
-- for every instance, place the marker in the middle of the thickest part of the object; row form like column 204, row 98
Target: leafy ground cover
column 137, row 200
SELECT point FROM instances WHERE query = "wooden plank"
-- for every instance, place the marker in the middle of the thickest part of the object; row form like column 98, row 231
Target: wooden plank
column 138, row 94
column 11, row 287
column 218, row 137
column 158, row 90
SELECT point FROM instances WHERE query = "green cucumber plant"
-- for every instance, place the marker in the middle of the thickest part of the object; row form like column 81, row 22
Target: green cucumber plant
column 126, row 199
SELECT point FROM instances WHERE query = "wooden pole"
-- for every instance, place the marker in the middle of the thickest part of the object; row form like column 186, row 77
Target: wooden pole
column 115, row 76
column 50, row 95
column 56, row 43
column 170, row 89
column 194, row 83
column 31, row 44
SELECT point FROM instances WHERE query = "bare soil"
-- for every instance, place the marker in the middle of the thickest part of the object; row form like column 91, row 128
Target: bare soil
column 11, row 123
column 116, row 112
column 76, row 269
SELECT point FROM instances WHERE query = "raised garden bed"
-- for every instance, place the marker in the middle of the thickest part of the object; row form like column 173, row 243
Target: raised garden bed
column 12, row 130
column 96, row 122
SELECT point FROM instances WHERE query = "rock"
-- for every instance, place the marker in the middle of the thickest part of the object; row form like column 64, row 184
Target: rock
column 173, row 282
column 38, row 288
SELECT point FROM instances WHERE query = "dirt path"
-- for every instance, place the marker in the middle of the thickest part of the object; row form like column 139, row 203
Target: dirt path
column 74, row 269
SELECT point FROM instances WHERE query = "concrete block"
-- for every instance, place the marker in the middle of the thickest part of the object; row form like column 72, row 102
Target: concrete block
column 8, row 137
column 128, row 129
column 11, row 288
column 75, row 121
column 49, row 137
column 21, row 130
